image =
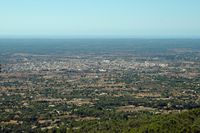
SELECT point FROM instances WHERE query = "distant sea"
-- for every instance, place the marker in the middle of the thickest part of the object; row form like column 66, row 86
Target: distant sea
column 84, row 46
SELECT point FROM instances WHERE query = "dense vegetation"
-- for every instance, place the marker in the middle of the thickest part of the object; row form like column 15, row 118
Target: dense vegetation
column 188, row 121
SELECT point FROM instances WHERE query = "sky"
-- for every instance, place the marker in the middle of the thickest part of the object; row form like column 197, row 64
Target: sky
column 100, row 18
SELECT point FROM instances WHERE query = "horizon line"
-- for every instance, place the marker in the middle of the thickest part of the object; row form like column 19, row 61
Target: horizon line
column 98, row 37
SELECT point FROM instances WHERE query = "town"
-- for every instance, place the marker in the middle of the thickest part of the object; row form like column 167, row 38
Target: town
column 42, row 92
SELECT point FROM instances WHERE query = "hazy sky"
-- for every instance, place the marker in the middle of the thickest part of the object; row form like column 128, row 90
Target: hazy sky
column 100, row 18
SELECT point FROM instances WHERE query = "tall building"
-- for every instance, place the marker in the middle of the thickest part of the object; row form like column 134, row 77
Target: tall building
column 0, row 68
